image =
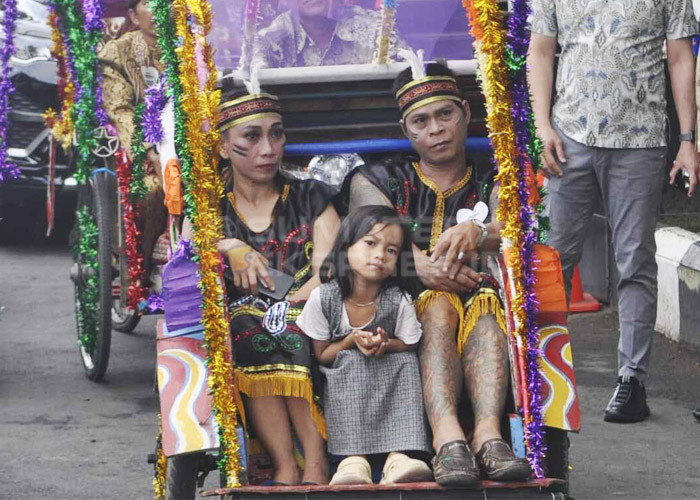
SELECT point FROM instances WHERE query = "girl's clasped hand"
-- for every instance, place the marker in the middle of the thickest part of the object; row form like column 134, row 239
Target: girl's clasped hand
column 369, row 344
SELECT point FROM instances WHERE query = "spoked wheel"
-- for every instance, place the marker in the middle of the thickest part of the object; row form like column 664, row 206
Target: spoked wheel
column 123, row 319
column 92, row 272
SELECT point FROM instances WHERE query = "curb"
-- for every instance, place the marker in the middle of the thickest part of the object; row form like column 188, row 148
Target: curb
column 678, row 310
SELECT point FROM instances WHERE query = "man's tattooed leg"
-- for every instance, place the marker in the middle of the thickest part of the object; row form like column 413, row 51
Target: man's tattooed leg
column 485, row 360
column 441, row 372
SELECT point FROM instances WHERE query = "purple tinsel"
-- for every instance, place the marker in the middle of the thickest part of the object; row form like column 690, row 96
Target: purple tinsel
column 94, row 12
column 517, row 42
column 156, row 304
column 154, row 102
column 8, row 170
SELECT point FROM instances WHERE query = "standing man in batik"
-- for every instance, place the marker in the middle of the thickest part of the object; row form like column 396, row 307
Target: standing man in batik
column 606, row 135
column 129, row 66
column 464, row 341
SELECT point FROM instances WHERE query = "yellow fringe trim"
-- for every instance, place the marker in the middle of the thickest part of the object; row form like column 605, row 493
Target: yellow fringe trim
column 290, row 384
column 484, row 302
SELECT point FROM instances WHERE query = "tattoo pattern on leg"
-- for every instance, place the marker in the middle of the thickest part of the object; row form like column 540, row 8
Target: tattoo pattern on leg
column 485, row 360
column 441, row 369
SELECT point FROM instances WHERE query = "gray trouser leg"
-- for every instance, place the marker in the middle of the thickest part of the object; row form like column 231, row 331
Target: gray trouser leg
column 572, row 199
column 632, row 182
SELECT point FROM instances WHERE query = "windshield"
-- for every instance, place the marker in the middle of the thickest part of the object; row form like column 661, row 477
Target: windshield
column 297, row 33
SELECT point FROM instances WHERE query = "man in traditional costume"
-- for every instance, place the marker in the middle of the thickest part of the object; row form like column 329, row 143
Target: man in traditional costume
column 464, row 340
column 130, row 64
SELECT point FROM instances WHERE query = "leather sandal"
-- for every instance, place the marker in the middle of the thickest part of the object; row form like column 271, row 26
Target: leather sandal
column 498, row 462
column 455, row 466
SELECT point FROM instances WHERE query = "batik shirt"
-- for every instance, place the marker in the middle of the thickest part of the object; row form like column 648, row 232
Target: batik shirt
column 285, row 43
column 129, row 66
column 610, row 81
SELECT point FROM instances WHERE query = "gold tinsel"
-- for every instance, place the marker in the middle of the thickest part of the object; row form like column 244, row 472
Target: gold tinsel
column 61, row 125
column 159, row 479
column 200, row 105
column 486, row 22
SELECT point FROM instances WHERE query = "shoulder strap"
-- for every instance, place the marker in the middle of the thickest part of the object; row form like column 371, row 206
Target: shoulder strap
column 331, row 306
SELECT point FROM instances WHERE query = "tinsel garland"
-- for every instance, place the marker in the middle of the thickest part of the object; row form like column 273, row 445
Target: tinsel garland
column 85, row 251
column 168, row 43
column 137, row 187
column 200, row 105
column 386, row 28
column 8, row 170
column 529, row 144
column 154, row 102
column 487, row 29
column 132, row 234
column 81, row 45
column 161, row 466
column 61, row 124
column 518, row 39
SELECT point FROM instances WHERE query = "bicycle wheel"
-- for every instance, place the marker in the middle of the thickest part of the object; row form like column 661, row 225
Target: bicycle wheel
column 92, row 273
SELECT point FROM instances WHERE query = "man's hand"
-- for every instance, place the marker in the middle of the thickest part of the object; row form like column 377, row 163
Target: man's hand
column 248, row 265
column 433, row 277
column 687, row 161
column 552, row 149
column 455, row 243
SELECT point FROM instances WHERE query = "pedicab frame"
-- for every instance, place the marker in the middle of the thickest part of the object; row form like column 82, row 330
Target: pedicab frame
column 190, row 81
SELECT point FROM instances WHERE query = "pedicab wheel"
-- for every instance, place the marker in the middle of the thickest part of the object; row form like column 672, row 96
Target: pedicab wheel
column 181, row 476
column 123, row 320
column 94, row 202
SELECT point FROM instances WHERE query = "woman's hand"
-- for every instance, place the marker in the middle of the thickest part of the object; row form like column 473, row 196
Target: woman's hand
column 247, row 264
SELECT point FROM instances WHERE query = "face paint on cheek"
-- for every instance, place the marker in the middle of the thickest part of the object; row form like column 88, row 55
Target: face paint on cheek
column 240, row 151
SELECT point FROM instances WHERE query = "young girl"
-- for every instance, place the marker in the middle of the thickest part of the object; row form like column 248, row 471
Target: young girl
column 365, row 334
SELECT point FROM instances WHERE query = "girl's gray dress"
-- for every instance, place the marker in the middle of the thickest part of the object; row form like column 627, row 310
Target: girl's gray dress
column 372, row 405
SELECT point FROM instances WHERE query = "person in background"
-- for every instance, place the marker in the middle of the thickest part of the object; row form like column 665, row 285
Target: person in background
column 315, row 33
column 130, row 64
column 605, row 135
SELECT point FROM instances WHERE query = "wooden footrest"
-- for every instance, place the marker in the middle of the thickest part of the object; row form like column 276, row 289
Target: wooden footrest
column 536, row 488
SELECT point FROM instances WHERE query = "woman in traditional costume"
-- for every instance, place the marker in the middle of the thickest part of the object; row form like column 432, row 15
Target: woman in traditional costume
column 271, row 221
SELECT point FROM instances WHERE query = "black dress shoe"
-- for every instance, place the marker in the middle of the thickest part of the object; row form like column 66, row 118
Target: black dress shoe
column 455, row 466
column 696, row 413
column 629, row 402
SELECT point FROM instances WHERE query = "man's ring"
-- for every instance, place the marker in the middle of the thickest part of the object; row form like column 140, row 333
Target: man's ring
column 460, row 256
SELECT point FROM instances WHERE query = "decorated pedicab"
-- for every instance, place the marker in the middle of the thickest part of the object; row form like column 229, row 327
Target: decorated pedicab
column 339, row 111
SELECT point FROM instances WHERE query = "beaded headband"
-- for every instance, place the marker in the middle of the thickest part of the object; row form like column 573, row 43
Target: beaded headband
column 425, row 91
column 246, row 108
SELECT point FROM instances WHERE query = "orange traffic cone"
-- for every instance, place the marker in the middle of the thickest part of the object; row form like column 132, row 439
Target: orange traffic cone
column 580, row 300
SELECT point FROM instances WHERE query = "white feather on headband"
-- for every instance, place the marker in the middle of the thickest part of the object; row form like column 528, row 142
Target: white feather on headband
column 415, row 61
column 252, row 85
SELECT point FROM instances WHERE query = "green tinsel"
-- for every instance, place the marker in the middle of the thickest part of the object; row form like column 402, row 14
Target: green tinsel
column 138, row 171
column 82, row 45
column 168, row 42
column 85, row 250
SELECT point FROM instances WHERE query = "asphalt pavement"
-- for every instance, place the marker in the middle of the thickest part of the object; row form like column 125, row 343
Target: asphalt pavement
column 64, row 437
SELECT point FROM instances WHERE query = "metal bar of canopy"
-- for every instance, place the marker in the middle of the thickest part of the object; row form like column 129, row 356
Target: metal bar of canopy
column 474, row 145
column 343, row 73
